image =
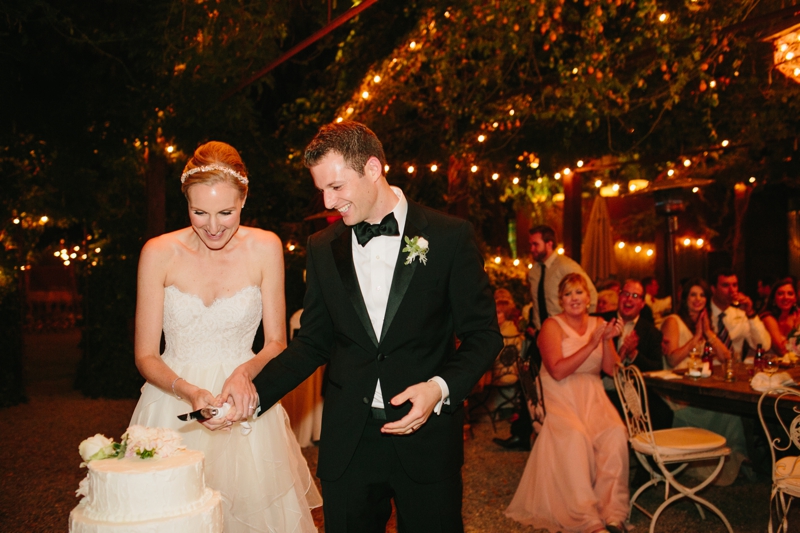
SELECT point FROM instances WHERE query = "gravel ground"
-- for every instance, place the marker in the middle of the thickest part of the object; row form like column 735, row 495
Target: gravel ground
column 39, row 470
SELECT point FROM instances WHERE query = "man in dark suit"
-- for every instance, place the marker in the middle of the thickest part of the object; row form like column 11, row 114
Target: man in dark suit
column 638, row 344
column 390, row 288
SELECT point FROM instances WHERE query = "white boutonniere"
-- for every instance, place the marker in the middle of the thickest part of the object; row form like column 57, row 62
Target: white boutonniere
column 416, row 247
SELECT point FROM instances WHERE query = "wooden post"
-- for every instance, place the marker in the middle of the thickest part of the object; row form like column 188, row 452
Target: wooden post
column 573, row 187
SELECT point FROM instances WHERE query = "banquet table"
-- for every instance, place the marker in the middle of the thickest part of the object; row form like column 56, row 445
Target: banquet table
column 736, row 397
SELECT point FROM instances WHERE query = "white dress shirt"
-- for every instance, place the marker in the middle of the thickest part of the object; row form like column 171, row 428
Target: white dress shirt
column 740, row 328
column 374, row 264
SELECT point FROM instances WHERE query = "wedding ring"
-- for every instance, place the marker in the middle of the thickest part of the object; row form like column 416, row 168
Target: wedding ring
column 252, row 407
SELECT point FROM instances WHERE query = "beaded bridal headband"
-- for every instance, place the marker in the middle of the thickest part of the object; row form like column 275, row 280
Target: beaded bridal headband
column 214, row 166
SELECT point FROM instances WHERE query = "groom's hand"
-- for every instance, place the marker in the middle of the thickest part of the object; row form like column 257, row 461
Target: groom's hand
column 240, row 392
column 423, row 398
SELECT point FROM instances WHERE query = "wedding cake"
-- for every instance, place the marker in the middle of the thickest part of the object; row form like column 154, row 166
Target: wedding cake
column 145, row 488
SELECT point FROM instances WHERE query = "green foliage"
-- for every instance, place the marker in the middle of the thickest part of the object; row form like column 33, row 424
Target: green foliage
column 107, row 368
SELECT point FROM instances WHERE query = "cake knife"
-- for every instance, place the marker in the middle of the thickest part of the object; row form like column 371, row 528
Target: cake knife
column 201, row 414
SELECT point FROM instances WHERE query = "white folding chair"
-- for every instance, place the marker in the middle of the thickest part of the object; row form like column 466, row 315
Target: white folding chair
column 676, row 446
column 786, row 469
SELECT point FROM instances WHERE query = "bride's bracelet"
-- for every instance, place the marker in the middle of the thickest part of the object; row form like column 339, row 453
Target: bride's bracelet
column 174, row 381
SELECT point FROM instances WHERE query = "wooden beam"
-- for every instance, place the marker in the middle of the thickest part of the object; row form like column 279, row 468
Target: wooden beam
column 335, row 23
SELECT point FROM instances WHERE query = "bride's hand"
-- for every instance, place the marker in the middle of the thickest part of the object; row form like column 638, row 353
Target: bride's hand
column 201, row 398
column 241, row 394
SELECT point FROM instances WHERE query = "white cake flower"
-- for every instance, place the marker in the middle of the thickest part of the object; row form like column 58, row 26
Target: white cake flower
column 83, row 487
column 151, row 442
column 97, row 447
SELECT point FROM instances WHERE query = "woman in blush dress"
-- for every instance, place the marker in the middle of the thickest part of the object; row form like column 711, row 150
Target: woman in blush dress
column 682, row 332
column 781, row 317
column 208, row 287
column 576, row 478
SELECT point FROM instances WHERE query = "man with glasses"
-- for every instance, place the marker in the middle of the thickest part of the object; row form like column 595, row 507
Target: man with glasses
column 638, row 344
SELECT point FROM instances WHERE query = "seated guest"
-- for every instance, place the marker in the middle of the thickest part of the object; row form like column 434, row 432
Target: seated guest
column 781, row 317
column 576, row 478
column 607, row 301
column 638, row 344
column 656, row 307
column 690, row 328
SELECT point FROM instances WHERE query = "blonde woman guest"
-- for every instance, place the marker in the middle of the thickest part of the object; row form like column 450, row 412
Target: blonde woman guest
column 207, row 287
column 576, row 478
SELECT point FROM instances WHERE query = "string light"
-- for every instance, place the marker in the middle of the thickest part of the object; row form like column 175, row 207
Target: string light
column 511, row 112
column 637, row 249
column 725, row 143
column 695, row 189
column 386, row 168
column 670, row 172
column 495, row 176
column 567, row 171
column 410, row 169
column 44, row 220
column 339, row 119
column 434, row 168
column 474, row 168
column 579, row 164
column 515, row 181
column 649, row 252
column 516, row 262
column 16, row 220
column 481, row 138
column 598, row 183
column 365, row 95
column 170, row 149
column 412, row 45
column 560, row 250
column 687, row 163
column 497, row 260
column 699, row 242
column 687, row 241
column 557, row 175
column 752, row 179
column 376, row 79
column 663, row 17
column 350, row 110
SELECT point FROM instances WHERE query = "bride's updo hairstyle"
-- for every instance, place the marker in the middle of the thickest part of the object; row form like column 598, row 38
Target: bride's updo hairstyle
column 215, row 162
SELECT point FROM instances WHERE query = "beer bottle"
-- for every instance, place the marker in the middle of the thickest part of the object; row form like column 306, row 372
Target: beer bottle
column 758, row 360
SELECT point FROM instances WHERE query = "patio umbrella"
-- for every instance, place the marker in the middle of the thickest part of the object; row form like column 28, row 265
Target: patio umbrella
column 597, row 252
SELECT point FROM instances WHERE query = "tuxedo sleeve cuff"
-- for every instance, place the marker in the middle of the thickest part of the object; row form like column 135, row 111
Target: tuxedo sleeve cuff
column 445, row 394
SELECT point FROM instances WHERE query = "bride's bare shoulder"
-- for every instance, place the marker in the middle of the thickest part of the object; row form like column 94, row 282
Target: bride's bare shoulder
column 169, row 243
column 259, row 240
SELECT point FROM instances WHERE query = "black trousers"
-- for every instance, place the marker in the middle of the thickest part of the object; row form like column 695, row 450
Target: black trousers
column 361, row 500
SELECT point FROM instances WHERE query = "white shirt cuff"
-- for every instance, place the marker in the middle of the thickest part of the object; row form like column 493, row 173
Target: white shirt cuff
column 445, row 394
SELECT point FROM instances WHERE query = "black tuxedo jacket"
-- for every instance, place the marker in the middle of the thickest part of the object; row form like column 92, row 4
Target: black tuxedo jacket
column 430, row 305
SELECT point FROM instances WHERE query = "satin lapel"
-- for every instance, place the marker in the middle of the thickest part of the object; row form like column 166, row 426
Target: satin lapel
column 402, row 272
column 343, row 257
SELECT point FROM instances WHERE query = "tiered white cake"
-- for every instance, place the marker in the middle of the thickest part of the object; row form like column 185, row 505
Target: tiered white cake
column 155, row 495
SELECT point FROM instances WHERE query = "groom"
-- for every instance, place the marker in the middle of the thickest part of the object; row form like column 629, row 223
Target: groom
column 391, row 289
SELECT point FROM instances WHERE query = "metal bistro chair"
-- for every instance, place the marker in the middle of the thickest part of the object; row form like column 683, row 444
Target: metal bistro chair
column 667, row 447
column 528, row 370
column 786, row 469
column 501, row 390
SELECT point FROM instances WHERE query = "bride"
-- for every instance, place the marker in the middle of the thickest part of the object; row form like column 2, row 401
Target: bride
column 207, row 287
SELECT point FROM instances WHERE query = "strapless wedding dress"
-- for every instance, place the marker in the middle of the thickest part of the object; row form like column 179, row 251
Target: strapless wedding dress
column 262, row 476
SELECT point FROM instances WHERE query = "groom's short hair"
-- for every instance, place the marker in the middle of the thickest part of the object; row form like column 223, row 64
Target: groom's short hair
column 353, row 140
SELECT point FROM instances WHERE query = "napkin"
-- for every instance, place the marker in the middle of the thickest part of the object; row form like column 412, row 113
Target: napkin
column 663, row 374
column 764, row 382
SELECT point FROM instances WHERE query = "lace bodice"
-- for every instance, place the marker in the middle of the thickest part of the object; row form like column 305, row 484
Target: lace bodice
column 206, row 335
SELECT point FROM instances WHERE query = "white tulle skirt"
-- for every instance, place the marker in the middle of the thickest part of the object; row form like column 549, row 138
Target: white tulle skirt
column 263, row 477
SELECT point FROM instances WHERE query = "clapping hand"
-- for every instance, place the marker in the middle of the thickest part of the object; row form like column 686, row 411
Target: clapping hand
column 612, row 328
column 629, row 346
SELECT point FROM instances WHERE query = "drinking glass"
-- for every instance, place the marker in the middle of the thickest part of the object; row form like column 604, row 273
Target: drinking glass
column 770, row 363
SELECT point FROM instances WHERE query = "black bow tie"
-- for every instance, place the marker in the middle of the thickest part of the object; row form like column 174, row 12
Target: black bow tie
column 366, row 231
